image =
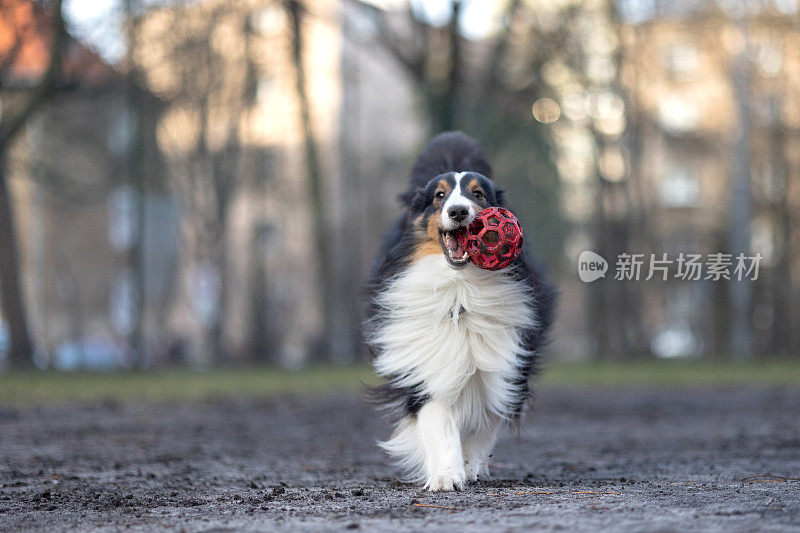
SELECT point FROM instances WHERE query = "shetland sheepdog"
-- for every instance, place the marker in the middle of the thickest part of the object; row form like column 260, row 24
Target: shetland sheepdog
column 456, row 344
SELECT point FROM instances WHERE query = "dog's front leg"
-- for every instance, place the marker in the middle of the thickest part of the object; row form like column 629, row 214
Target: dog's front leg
column 476, row 448
column 441, row 442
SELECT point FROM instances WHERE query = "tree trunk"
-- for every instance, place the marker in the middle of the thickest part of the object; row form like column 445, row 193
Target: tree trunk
column 784, row 339
column 740, row 334
column 316, row 192
column 135, row 179
column 346, row 345
column 11, row 298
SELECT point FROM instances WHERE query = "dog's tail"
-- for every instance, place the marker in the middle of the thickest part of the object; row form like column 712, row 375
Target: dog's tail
column 451, row 151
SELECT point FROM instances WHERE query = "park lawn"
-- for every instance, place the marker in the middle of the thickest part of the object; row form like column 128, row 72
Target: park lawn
column 33, row 388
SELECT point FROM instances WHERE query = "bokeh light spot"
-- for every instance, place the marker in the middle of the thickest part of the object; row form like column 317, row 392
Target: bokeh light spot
column 546, row 110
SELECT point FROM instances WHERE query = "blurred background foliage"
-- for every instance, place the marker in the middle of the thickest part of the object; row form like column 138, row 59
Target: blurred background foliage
column 204, row 182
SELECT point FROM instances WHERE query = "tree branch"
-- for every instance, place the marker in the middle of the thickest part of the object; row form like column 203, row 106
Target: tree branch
column 413, row 62
column 501, row 45
column 11, row 56
column 47, row 86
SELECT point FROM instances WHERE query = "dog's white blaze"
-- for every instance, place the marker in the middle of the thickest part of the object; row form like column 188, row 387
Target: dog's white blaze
column 457, row 198
column 458, row 333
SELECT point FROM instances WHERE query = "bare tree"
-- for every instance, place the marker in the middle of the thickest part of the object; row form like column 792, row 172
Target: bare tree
column 487, row 87
column 415, row 53
column 11, row 293
column 296, row 12
column 214, row 89
column 741, row 209
column 135, row 177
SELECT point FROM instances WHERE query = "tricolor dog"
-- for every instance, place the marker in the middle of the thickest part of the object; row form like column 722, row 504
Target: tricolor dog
column 456, row 344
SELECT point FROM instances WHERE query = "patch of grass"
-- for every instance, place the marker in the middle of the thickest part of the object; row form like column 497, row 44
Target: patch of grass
column 32, row 388
column 675, row 373
column 177, row 384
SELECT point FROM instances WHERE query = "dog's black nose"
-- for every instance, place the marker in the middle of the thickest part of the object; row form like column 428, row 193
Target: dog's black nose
column 458, row 212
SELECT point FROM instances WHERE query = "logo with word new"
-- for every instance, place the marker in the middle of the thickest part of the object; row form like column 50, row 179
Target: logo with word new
column 591, row 266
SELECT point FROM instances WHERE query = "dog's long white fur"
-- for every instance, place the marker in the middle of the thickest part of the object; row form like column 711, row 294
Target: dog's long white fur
column 458, row 334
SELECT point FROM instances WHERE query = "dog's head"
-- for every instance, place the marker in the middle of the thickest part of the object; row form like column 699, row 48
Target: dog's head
column 443, row 209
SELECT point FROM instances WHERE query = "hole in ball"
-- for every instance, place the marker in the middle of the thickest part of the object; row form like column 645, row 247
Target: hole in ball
column 491, row 237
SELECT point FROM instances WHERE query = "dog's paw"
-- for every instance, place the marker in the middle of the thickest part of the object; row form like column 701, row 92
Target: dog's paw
column 476, row 469
column 444, row 483
column 472, row 471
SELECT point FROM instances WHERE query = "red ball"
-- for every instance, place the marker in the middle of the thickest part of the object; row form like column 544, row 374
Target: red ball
column 494, row 239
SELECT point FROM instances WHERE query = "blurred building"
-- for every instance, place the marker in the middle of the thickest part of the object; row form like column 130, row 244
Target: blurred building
column 616, row 126
column 69, row 175
column 237, row 150
column 672, row 108
column 703, row 83
column 190, row 237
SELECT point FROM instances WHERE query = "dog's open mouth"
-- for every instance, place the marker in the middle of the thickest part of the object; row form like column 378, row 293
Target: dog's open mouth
column 453, row 246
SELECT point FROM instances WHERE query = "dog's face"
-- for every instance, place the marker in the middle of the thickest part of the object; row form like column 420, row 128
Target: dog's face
column 443, row 209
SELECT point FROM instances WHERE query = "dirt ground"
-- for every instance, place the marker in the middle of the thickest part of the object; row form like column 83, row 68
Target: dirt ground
column 587, row 459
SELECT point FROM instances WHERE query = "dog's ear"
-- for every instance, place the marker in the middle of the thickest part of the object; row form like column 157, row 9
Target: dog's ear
column 500, row 197
column 407, row 197
column 416, row 199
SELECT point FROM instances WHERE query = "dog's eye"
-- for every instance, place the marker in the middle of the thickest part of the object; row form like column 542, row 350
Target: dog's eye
column 440, row 194
column 477, row 194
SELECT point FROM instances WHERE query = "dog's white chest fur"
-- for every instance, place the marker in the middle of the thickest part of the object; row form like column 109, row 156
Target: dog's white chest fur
column 455, row 333
column 456, row 336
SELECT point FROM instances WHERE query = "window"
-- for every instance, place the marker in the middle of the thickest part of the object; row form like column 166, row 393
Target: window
column 769, row 58
column 120, row 131
column 269, row 21
column 682, row 61
column 679, row 188
column 678, row 114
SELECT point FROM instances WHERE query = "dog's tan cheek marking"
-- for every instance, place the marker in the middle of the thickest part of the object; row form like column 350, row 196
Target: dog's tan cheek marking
column 429, row 233
column 430, row 240
column 471, row 188
column 443, row 187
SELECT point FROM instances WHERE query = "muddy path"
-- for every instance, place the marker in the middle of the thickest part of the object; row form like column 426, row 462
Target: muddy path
column 630, row 459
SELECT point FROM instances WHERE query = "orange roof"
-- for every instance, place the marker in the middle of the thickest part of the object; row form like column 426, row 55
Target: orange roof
column 25, row 39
